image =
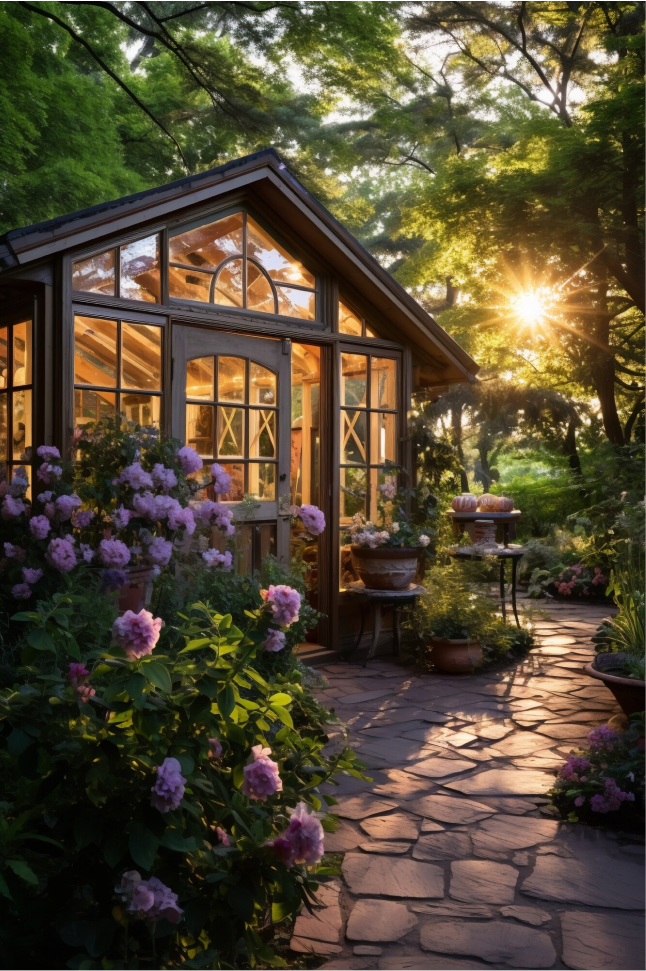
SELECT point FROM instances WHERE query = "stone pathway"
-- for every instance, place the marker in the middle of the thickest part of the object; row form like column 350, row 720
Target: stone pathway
column 451, row 856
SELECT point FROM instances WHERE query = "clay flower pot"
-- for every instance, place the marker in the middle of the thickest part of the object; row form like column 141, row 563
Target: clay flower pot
column 386, row 567
column 464, row 503
column 133, row 594
column 629, row 692
column 455, row 656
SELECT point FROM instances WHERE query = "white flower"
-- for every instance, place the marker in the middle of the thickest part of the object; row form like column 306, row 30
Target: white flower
column 394, row 527
column 424, row 540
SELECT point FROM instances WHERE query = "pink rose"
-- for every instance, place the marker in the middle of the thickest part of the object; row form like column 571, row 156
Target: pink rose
column 275, row 640
column 313, row 519
column 138, row 633
column 302, row 841
column 261, row 777
column 285, row 603
column 77, row 673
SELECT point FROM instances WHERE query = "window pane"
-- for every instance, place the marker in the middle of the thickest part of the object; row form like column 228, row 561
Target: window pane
column 262, row 433
column 353, row 437
column 377, row 478
column 276, row 260
column 354, row 373
column 4, row 358
column 349, row 323
column 296, row 303
column 231, row 432
column 22, row 353
column 95, row 274
column 383, row 445
column 145, row 409
column 383, row 384
column 208, row 245
column 353, row 493
column 263, row 385
column 189, row 285
column 305, row 439
column 141, row 356
column 21, row 429
column 95, row 351
column 236, row 471
column 262, row 480
column 199, row 429
column 3, row 428
column 92, row 406
column 231, row 379
column 370, row 332
column 199, row 378
column 228, row 285
column 140, row 270
column 260, row 295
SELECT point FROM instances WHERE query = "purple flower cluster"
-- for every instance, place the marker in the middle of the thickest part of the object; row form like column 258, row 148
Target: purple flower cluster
column 285, row 603
column 213, row 558
column 603, row 738
column 275, row 640
column 121, row 517
column 190, row 460
column 160, row 551
column 388, row 489
column 138, row 633
column 574, row 768
column 61, row 554
column 47, row 472
column 12, row 507
column 150, row 899
column 30, row 575
column 168, row 791
column 611, row 798
column 261, row 777
column 313, row 519
column 39, row 526
column 215, row 514
column 78, row 675
column 48, row 453
column 163, row 478
column 221, row 479
column 21, row 591
column 136, row 477
column 66, row 505
column 113, row 553
column 82, row 518
column 302, row 841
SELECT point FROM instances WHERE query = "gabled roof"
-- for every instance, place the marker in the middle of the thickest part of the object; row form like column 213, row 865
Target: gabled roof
column 268, row 176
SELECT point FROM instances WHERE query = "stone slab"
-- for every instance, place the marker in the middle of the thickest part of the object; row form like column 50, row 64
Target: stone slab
column 379, row 921
column 385, row 846
column 304, row 945
column 382, row 876
column 506, row 833
column 521, row 743
column 592, row 877
column 452, row 845
column 607, row 942
column 389, row 751
column 450, row 909
column 440, row 768
column 369, row 950
column 483, row 881
column 514, row 807
column 425, row 962
column 345, row 837
column 562, row 730
column 528, row 915
column 493, row 732
column 450, row 809
column 397, row 826
column 362, row 805
column 504, row 782
column 497, row 941
column 400, row 785
column 325, row 922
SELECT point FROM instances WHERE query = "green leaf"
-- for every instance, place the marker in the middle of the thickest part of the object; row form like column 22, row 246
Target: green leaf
column 226, row 701
column 284, row 715
column 142, row 845
column 283, row 908
column 158, row 675
column 27, row 616
column 24, row 871
column 280, row 699
column 174, row 840
column 19, row 741
column 241, row 902
column 196, row 644
column 4, row 889
column 40, row 641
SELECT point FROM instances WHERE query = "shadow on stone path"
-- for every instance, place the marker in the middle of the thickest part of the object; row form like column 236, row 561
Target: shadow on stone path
column 452, row 858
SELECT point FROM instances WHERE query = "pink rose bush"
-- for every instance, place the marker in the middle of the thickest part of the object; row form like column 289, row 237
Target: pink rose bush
column 138, row 633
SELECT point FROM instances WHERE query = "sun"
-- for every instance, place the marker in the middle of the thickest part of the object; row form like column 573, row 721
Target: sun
column 531, row 308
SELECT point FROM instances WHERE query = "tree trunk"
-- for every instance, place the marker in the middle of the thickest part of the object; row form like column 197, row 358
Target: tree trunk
column 603, row 377
column 456, row 441
column 569, row 447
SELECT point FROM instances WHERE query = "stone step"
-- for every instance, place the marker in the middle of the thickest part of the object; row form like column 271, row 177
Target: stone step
column 316, row 655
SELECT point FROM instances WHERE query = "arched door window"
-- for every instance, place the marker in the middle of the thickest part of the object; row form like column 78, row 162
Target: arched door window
column 234, row 262
column 232, row 418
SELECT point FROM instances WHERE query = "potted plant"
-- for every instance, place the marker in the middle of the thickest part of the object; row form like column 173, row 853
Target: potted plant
column 386, row 555
column 620, row 639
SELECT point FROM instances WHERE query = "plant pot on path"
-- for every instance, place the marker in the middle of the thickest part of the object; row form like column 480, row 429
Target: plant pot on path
column 459, row 656
column 629, row 692
column 133, row 593
column 385, row 567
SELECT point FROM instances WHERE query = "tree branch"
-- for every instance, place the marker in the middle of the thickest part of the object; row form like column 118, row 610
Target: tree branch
column 108, row 70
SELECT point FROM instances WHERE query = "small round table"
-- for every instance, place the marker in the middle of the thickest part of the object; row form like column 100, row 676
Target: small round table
column 502, row 553
column 375, row 601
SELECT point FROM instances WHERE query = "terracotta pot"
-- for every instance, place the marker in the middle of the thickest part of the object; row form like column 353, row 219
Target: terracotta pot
column 132, row 595
column 629, row 692
column 504, row 504
column 487, row 503
column 455, row 656
column 386, row 567
column 464, row 503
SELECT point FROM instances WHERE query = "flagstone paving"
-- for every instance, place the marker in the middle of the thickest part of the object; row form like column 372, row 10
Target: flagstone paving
column 452, row 856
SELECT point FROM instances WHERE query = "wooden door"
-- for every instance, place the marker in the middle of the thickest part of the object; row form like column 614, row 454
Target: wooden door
column 231, row 402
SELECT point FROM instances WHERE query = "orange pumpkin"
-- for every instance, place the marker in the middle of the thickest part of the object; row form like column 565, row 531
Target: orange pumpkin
column 487, row 503
column 464, row 503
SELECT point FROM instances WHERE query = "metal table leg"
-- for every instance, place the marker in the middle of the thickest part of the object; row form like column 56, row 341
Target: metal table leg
column 502, row 588
column 376, row 630
column 514, row 570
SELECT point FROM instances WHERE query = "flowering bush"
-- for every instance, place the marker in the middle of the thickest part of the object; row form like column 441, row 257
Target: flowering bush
column 129, row 500
column 606, row 777
column 171, row 793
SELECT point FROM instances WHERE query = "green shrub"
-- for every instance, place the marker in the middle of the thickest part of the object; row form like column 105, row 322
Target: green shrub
column 78, row 771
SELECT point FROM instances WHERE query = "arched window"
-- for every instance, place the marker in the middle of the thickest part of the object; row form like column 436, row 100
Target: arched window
column 234, row 262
